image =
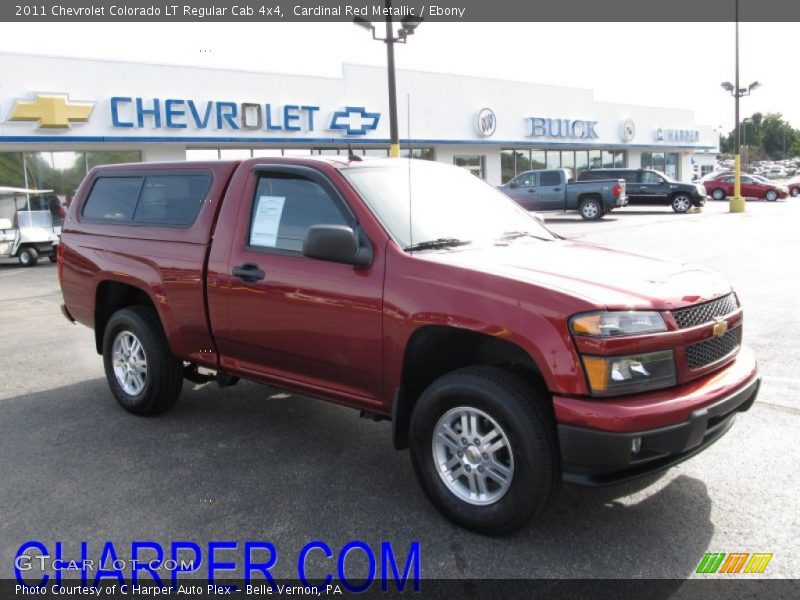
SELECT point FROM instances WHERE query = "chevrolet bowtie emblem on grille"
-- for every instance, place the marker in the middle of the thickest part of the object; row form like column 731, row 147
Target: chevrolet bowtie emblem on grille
column 51, row 111
column 720, row 327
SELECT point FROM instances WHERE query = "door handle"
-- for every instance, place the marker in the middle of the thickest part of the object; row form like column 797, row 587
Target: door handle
column 532, row 191
column 249, row 273
column 556, row 189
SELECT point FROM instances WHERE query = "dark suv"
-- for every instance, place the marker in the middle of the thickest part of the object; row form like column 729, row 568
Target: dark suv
column 645, row 186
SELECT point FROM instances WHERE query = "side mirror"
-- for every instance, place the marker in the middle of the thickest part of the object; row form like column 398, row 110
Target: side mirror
column 513, row 184
column 336, row 243
column 5, row 224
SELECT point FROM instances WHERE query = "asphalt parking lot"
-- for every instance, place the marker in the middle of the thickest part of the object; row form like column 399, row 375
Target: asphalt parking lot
column 250, row 463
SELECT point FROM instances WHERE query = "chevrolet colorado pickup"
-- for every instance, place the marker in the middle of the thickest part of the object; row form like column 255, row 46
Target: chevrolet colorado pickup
column 508, row 358
column 557, row 190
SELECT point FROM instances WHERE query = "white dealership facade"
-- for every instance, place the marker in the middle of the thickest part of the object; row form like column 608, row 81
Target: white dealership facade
column 60, row 114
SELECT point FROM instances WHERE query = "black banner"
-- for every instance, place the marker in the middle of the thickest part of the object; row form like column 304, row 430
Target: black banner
column 462, row 589
column 276, row 11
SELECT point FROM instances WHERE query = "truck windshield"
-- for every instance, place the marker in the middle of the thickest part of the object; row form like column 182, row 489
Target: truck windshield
column 424, row 204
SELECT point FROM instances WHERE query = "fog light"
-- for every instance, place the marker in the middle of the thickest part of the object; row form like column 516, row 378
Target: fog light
column 636, row 445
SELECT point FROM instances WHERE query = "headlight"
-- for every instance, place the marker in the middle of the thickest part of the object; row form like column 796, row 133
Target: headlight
column 610, row 324
column 614, row 375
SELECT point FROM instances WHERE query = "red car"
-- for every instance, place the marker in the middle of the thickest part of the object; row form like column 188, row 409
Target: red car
column 794, row 187
column 505, row 357
column 721, row 188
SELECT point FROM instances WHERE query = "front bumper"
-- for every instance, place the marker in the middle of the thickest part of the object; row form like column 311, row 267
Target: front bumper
column 698, row 200
column 700, row 413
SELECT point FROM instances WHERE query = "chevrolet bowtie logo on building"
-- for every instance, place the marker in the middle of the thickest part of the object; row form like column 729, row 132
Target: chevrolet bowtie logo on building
column 51, row 111
column 354, row 120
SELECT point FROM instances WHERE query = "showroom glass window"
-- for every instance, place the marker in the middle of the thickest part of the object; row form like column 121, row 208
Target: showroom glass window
column 516, row 161
column 475, row 164
column 666, row 162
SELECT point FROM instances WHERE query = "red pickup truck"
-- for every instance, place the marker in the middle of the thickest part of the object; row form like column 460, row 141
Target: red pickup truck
column 507, row 358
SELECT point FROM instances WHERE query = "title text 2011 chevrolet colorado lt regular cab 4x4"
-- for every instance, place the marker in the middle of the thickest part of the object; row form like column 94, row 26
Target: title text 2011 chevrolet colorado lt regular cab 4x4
column 506, row 357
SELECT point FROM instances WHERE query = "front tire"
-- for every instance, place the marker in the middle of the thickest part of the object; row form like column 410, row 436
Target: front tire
column 28, row 257
column 771, row 196
column 681, row 203
column 718, row 194
column 591, row 209
column 142, row 373
column 483, row 449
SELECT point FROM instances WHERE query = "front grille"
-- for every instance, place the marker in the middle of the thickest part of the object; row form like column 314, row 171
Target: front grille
column 713, row 349
column 704, row 313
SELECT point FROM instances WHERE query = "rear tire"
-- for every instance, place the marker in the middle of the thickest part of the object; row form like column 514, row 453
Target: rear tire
column 506, row 479
column 795, row 192
column 142, row 373
column 591, row 209
column 28, row 257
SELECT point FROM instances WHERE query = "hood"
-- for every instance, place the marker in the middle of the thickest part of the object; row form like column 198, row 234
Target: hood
column 600, row 276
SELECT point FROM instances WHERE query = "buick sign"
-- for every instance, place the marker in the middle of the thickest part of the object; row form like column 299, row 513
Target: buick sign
column 627, row 130
column 562, row 128
column 486, row 122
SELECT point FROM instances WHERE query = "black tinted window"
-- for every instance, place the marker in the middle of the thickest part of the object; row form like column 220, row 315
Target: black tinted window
column 285, row 207
column 651, row 177
column 113, row 199
column 548, row 178
column 591, row 175
column 172, row 199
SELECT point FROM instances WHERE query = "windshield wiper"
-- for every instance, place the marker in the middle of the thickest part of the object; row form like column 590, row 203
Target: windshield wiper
column 437, row 243
column 512, row 235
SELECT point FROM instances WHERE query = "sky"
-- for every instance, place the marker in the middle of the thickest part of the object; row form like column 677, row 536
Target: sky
column 676, row 65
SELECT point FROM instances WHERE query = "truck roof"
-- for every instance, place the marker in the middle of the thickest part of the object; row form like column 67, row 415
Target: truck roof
column 335, row 161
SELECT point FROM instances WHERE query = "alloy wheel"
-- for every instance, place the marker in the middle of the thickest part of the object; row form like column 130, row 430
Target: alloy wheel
column 472, row 455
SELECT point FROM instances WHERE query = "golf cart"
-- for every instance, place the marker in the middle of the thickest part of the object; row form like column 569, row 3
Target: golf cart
column 24, row 233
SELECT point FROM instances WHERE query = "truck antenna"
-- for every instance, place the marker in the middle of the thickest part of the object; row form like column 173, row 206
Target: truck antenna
column 408, row 141
column 350, row 156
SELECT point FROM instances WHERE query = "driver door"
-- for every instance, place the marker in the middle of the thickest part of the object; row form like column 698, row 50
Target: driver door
column 524, row 191
column 280, row 316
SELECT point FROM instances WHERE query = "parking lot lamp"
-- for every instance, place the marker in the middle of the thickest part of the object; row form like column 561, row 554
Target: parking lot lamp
column 737, row 203
column 408, row 25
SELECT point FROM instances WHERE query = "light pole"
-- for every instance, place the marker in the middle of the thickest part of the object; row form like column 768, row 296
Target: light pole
column 784, row 143
column 409, row 24
column 737, row 203
column 744, row 138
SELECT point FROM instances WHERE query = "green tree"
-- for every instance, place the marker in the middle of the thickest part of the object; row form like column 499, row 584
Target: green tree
column 766, row 136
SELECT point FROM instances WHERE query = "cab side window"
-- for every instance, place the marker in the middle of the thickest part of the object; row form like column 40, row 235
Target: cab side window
column 526, row 180
column 285, row 206
column 550, row 178
column 650, row 177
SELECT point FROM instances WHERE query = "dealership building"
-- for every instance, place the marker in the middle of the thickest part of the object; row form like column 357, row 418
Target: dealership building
column 61, row 116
